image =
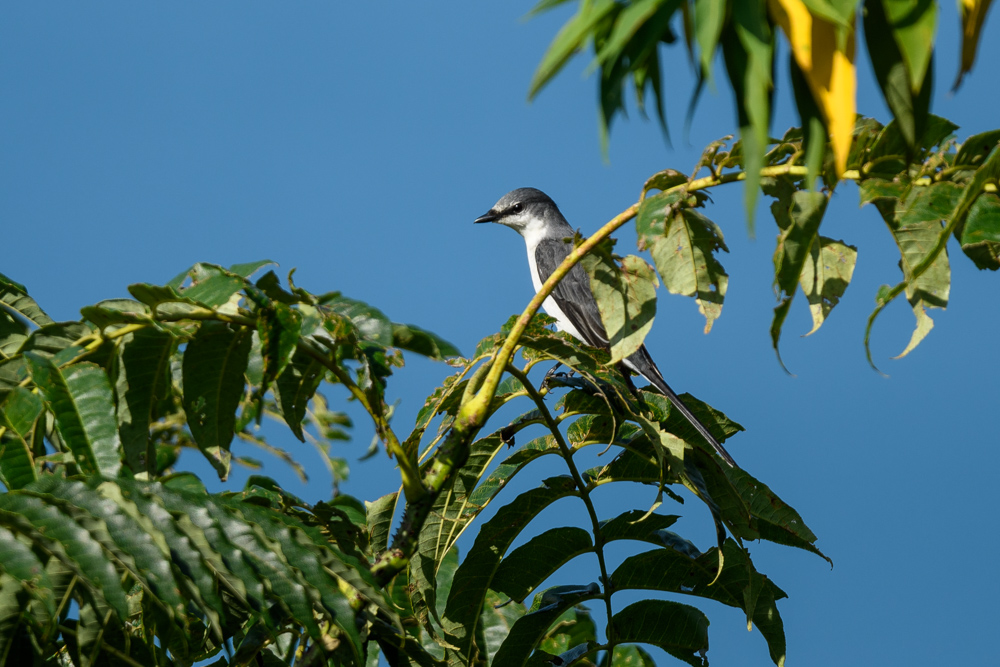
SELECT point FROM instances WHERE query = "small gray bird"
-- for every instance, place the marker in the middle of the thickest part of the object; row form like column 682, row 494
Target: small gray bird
column 533, row 215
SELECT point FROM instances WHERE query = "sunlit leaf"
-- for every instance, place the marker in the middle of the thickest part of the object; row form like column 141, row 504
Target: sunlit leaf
column 80, row 398
column 912, row 24
column 973, row 17
column 683, row 243
column 626, row 298
column 824, row 52
column 909, row 108
column 570, row 39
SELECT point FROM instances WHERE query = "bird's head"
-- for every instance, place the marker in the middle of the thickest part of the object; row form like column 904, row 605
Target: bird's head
column 525, row 210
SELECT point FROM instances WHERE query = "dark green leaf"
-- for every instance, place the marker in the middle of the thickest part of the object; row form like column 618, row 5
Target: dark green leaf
column 248, row 269
column 748, row 51
column 143, row 378
column 912, row 24
column 18, row 414
column 370, row 321
column 278, row 327
column 116, row 311
column 474, row 576
column 212, row 285
column 974, row 150
column 54, row 338
column 980, row 236
column 529, row 630
column 414, row 339
column 14, row 299
column 213, row 367
column 678, row 629
column 81, row 400
column 295, row 387
column 525, row 568
column 709, row 15
column 795, row 242
column 571, row 38
column 909, row 105
column 379, row 517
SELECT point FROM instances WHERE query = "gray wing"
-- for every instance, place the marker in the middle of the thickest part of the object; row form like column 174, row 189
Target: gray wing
column 572, row 294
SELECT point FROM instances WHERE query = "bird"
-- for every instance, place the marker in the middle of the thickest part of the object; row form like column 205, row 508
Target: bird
column 548, row 237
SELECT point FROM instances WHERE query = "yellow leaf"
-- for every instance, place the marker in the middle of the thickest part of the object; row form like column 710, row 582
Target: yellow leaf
column 824, row 52
column 973, row 16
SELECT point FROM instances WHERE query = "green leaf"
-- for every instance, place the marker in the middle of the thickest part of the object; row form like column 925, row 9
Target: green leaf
column 212, row 285
column 19, row 562
column 631, row 655
column 909, row 106
column 974, row 150
column 678, row 629
column 626, row 298
column 795, row 242
column 627, row 22
column 414, row 339
column 525, row 568
column 248, row 269
column 980, row 235
column 571, row 38
column 914, row 220
column 683, row 244
column 143, row 378
column 13, row 332
column 709, row 15
column 278, row 327
column 117, row 311
column 80, row 398
column 213, row 367
column 546, row 610
column 748, row 50
column 54, row 338
column 637, row 525
column 60, row 535
column 295, row 387
column 498, row 618
column 18, row 414
column 668, row 570
column 825, row 276
column 912, row 24
column 370, row 321
column 14, row 299
column 380, row 513
column 474, row 575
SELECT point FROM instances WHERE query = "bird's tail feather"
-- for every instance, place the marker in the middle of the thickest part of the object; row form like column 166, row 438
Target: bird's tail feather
column 643, row 364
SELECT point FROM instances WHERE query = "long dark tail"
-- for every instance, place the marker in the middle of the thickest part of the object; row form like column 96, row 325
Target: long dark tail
column 643, row 364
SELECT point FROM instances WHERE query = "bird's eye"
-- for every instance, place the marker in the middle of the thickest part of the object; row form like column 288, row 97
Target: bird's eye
column 517, row 208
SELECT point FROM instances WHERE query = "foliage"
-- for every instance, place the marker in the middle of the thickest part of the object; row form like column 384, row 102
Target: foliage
column 913, row 169
column 110, row 555
column 822, row 35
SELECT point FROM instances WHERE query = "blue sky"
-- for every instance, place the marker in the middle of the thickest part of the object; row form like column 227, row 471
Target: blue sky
column 358, row 141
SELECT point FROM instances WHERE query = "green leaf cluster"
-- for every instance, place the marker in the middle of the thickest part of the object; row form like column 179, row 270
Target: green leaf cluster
column 110, row 555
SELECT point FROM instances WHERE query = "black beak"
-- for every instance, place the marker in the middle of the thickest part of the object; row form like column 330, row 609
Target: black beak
column 489, row 216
